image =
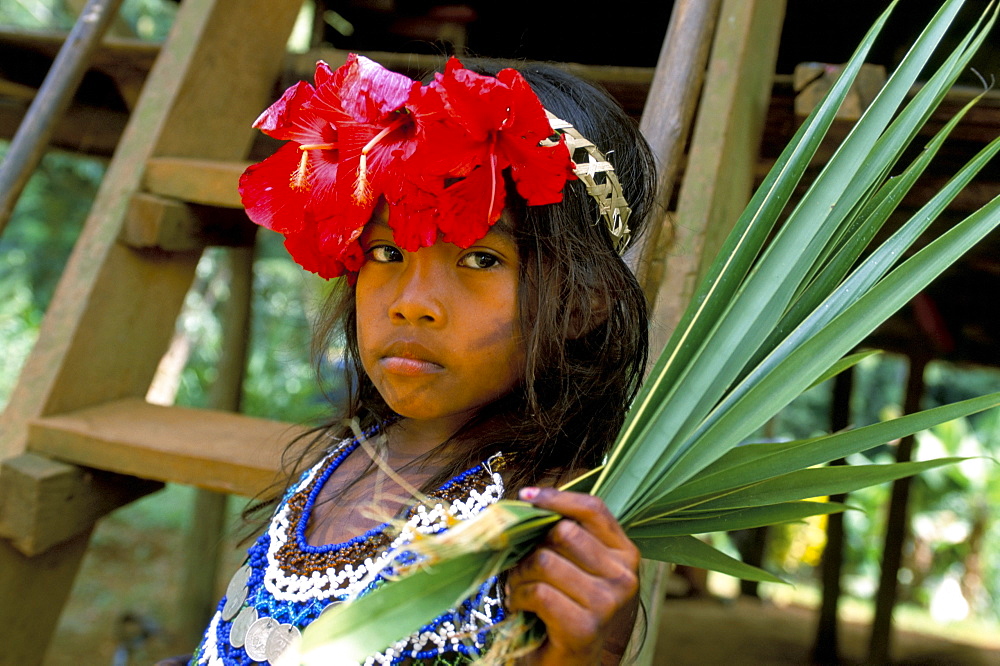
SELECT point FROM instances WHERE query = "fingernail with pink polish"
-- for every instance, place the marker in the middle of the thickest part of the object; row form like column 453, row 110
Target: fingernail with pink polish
column 528, row 493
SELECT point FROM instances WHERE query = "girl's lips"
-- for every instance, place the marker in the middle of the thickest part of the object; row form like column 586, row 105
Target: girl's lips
column 409, row 359
column 410, row 367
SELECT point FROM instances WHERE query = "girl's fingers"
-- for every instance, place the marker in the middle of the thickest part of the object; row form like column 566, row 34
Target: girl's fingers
column 551, row 568
column 581, row 581
column 572, row 541
column 574, row 634
column 592, row 515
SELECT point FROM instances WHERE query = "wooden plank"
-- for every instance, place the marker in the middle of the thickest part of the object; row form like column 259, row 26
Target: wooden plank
column 44, row 502
column 155, row 222
column 216, row 450
column 724, row 149
column 83, row 129
column 209, row 182
column 813, row 80
column 114, row 53
column 666, row 124
column 16, row 91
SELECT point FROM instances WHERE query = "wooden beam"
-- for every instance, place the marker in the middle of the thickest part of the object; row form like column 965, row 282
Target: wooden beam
column 157, row 222
column 34, row 592
column 209, row 182
column 17, row 91
column 209, row 449
column 113, row 53
column 83, row 129
column 666, row 123
column 44, row 502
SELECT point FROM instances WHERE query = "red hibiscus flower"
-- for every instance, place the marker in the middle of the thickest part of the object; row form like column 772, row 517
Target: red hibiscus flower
column 436, row 154
column 491, row 123
column 324, row 182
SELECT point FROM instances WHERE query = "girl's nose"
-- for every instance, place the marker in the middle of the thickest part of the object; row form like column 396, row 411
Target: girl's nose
column 417, row 300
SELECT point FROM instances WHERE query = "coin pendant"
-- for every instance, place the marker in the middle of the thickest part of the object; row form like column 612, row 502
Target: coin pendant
column 239, row 580
column 282, row 639
column 234, row 602
column 257, row 635
column 238, row 632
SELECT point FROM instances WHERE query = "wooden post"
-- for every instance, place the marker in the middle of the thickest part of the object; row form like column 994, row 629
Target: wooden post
column 826, row 651
column 666, row 120
column 719, row 176
column 666, row 124
column 896, row 528
column 42, row 584
column 201, row 561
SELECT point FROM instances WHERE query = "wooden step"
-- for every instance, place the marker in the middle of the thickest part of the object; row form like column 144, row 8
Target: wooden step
column 220, row 451
column 208, row 182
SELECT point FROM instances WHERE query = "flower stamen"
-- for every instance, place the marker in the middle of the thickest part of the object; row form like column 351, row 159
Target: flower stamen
column 493, row 186
column 362, row 193
column 300, row 177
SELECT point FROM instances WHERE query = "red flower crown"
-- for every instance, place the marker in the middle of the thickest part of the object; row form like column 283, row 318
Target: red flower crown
column 435, row 153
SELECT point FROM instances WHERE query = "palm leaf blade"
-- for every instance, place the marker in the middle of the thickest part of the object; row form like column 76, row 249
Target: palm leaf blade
column 738, row 519
column 689, row 551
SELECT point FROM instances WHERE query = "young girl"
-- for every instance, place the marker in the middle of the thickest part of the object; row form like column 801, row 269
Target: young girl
column 494, row 336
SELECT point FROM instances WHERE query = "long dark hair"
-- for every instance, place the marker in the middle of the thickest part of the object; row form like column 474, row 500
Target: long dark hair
column 582, row 315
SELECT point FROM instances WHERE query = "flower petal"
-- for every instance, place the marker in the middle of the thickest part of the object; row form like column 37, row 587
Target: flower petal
column 267, row 195
column 539, row 172
column 368, row 91
column 469, row 207
column 279, row 120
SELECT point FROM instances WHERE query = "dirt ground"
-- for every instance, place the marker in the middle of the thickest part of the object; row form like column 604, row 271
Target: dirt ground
column 750, row 632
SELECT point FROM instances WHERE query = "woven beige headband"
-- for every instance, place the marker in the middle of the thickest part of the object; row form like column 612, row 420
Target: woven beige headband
column 598, row 175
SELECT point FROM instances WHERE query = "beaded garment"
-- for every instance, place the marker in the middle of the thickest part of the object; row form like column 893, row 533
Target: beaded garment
column 293, row 582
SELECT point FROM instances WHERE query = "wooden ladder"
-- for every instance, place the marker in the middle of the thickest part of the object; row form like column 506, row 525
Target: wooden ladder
column 78, row 438
column 79, row 402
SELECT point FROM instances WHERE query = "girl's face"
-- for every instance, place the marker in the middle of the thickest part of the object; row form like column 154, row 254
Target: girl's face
column 438, row 328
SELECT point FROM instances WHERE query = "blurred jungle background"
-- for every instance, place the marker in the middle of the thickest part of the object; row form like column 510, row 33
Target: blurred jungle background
column 126, row 599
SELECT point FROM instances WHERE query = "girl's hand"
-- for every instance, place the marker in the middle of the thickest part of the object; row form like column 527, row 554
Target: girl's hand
column 581, row 582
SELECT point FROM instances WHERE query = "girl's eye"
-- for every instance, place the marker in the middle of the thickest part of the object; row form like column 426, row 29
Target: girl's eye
column 479, row 260
column 384, row 254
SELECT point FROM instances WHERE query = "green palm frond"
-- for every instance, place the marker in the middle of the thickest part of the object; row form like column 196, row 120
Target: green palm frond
column 778, row 311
